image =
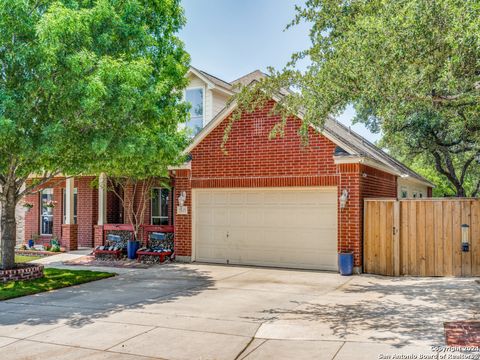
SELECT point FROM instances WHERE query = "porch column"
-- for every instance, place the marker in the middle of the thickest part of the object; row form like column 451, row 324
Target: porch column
column 69, row 228
column 102, row 199
column 102, row 210
column 69, row 213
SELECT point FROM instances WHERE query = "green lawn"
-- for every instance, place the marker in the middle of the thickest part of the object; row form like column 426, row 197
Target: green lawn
column 53, row 279
column 24, row 258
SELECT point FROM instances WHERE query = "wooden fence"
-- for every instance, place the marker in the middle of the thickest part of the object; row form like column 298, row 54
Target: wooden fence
column 421, row 237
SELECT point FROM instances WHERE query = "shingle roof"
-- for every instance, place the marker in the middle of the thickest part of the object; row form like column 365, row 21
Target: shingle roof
column 363, row 147
column 217, row 81
column 247, row 79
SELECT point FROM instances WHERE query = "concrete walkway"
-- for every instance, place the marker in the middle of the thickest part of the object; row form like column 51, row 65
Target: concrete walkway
column 224, row 312
column 59, row 258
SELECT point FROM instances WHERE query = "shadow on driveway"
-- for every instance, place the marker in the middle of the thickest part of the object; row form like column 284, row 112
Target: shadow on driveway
column 401, row 311
column 80, row 305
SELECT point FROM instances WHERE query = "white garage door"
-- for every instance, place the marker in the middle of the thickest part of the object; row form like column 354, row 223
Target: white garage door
column 294, row 228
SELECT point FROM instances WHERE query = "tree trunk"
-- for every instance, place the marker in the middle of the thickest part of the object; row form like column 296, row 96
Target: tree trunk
column 8, row 230
column 460, row 192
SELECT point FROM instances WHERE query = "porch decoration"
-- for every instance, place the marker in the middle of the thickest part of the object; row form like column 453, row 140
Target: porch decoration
column 114, row 249
column 181, row 208
column 28, row 206
column 50, row 203
column 159, row 248
column 344, row 199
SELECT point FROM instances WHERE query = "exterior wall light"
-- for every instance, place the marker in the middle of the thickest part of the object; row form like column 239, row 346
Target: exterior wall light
column 465, row 243
column 343, row 199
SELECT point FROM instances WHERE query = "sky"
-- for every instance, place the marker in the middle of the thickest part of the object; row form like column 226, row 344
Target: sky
column 230, row 38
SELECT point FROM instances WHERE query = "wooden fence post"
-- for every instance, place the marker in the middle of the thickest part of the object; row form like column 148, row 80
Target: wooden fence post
column 396, row 238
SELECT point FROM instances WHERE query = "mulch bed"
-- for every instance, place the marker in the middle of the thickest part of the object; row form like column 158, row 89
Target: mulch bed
column 36, row 253
column 89, row 260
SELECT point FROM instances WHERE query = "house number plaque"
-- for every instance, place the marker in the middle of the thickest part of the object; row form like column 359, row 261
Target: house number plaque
column 182, row 210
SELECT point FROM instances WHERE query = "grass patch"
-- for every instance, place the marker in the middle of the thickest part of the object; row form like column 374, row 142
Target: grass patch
column 25, row 258
column 53, row 279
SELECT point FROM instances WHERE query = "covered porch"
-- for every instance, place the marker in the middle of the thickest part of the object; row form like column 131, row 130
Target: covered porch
column 79, row 213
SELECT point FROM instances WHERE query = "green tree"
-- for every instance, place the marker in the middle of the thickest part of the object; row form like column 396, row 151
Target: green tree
column 409, row 67
column 86, row 86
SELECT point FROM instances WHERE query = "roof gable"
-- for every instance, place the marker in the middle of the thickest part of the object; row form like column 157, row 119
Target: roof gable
column 211, row 81
column 352, row 144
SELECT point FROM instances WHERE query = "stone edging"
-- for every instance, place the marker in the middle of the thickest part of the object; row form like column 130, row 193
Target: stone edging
column 22, row 272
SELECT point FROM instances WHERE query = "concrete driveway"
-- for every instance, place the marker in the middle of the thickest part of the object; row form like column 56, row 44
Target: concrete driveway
column 194, row 311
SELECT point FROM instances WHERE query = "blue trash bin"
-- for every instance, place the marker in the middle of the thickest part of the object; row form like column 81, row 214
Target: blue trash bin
column 345, row 263
column 31, row 243
column 132, row 248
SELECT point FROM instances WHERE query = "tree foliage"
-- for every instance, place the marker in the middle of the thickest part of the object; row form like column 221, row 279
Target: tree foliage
column 87, row 86
column 410, row 68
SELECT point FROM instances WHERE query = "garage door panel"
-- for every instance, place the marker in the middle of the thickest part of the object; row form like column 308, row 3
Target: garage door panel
column 269, row 227
column 237, row 216
column 276, row 217
column 237, row 198
column 220, row 198
column 219, row 217
column 204, row 198
column 253, row 198
column 254, row 217
column 204, row 216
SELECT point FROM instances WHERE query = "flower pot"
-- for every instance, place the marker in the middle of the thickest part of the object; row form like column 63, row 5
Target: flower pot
column 345, row 263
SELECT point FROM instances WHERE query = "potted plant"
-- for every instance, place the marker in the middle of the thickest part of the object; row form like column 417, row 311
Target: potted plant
column 50, row 203
column 28, row 206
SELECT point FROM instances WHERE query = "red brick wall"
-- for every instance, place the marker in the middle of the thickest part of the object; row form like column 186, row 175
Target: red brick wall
column 87, row 210
column 183, row 223
column 377, row 183
column 252, row 158
column 350, row 217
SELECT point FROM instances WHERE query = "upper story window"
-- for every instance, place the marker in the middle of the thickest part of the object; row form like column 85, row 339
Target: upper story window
column 195, row 96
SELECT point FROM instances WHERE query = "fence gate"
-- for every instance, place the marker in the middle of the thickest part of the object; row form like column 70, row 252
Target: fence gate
column 421, row 237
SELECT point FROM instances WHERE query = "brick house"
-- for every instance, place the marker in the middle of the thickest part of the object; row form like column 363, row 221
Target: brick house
column 264, row 202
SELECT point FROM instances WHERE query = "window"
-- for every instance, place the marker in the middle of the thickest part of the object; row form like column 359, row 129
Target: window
column 420, row 195
column 403, row 193
column 160, row 206
column 195, row 98
column 415, row 194
column 75, row 192
column 46, row 212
